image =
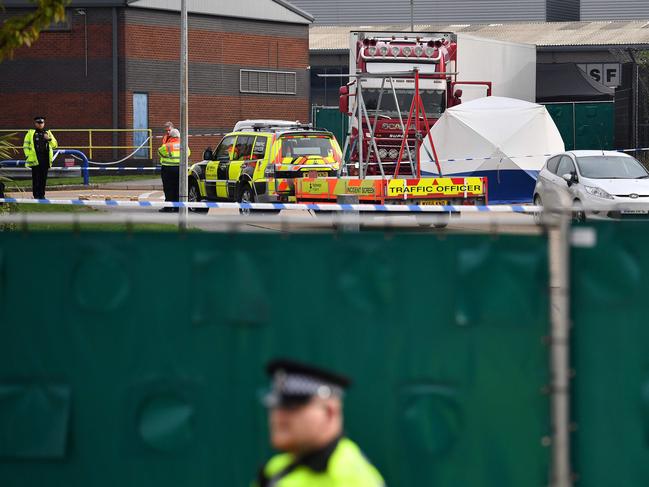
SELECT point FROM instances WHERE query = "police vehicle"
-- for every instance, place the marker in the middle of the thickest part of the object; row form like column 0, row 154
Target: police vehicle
column 260, row 160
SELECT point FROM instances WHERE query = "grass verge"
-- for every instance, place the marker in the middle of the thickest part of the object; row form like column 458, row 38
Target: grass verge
column 13, row 185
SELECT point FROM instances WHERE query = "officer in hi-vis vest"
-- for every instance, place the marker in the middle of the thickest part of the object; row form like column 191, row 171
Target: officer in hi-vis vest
column 306, row 425
column 39, row 146
column 170, row 160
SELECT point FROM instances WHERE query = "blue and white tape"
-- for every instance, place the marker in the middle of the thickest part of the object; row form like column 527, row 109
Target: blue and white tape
column 78, row 169
column 389, row 208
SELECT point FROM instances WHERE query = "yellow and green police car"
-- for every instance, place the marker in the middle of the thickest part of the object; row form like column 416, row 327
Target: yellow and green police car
column 260, row 161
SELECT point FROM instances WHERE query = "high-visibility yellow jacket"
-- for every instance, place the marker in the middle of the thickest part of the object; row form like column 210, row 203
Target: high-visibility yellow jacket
column 170, row 152
column 30, row 151
column 345, row 467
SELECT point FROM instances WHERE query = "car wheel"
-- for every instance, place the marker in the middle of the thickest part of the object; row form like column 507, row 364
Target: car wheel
column 579, row 214
column 538, row 215
column 442, row 220
column 246, row 196
column 194, row 195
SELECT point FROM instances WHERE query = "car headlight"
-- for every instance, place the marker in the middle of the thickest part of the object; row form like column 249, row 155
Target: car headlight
column 599, row 192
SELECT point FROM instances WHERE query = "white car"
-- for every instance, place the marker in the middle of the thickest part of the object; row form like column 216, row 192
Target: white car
column 604, row 184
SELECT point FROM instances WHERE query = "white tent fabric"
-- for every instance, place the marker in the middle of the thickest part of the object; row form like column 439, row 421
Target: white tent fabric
column 504, row 139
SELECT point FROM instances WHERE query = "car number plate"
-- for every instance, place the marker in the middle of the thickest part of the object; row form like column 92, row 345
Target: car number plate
column 634, row 212
column 433, row 202
column 315, row 174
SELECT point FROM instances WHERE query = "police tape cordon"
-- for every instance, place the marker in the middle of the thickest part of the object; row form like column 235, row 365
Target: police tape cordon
column 390, row 208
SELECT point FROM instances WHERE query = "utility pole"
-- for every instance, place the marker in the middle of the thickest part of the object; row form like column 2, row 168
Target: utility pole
column 412, row 15
column 184, row 131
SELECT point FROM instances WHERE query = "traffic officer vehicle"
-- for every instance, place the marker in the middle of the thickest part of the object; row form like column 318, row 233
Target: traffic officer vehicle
column 260, row 161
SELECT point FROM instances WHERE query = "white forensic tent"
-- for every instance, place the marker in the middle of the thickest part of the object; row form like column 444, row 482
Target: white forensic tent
column 503, row 139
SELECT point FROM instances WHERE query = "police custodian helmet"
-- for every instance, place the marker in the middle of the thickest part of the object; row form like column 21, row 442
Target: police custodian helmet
column 294, row 384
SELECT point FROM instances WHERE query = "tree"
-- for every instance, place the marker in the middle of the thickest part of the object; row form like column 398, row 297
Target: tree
column 23, row 30
column 7, row 146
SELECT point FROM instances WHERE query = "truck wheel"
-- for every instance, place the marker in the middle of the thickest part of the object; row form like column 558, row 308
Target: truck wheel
column 194, row 195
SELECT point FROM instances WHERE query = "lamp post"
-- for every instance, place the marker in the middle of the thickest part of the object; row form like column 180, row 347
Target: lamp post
column 184, row 132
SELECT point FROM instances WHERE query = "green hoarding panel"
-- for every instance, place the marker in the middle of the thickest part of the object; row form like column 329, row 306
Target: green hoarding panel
column 611, row 357
column 332, row 119
column 584, row 125
column 563, row 116
column 595, row 126
column 142, row 355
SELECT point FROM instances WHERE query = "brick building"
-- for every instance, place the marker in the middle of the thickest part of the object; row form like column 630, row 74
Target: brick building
column 115, row 64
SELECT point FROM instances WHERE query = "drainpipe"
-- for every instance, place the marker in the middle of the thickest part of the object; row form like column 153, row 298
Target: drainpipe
column 115, row 84
column 636, row 76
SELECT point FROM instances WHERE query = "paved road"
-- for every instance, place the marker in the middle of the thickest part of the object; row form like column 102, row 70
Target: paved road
column 467, row 223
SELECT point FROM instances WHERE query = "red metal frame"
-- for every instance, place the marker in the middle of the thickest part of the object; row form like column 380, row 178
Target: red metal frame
column 417, row 106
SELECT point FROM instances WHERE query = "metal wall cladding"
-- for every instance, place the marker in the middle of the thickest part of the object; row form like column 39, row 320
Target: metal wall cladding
column 562, row 10
column 618, row 10
column 219, row 24
column 367, row 12
column 137, row 359
column 610, row 350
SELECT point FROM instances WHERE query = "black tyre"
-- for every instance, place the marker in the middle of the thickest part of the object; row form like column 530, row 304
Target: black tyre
column 442, row 221
column 579, row 214
column 246, row 195
column 538, row 216
column 194, row 195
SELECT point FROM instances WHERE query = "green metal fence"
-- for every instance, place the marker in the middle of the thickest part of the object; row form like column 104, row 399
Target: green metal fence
column 585, row 125
column 332, row 119
column 137, row 360
column 611, row 357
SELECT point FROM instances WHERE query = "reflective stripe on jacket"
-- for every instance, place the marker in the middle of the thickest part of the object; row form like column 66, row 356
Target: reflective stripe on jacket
column 30, row 151
column 170, row 153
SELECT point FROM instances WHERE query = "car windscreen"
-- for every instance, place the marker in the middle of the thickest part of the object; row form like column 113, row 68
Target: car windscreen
column 434, row 101
column 611, row 167
column 293, row 146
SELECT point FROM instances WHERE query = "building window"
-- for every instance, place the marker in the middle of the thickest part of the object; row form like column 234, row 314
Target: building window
column 63, row 26
column 275, row 82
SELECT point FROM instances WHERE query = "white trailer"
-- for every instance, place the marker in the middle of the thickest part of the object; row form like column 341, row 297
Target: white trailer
column 510, row 66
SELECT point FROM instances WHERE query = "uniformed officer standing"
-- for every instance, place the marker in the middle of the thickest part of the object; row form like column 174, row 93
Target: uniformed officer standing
column 39, row 146
column 306, row 424
column 170, row 160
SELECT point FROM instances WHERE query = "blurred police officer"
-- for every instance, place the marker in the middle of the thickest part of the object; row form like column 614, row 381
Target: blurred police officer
column 306, row 424
column 170, row 160
column 39, row 146
column 169, row 126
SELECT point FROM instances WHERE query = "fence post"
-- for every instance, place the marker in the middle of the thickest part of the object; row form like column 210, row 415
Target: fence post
column 84, row 163
column 348, row 226
column 559, row 262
